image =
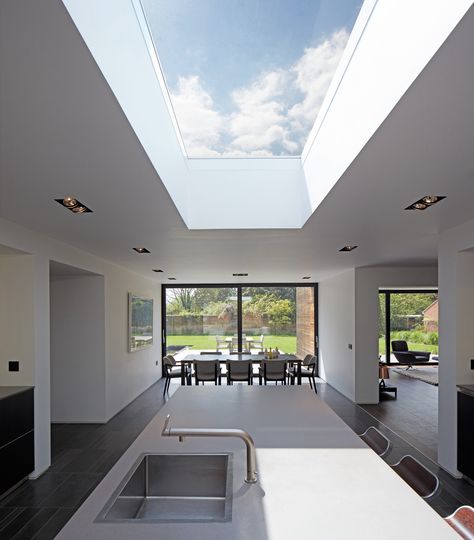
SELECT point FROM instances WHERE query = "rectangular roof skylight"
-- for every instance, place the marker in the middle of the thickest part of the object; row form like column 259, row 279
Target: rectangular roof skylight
column 246, row 78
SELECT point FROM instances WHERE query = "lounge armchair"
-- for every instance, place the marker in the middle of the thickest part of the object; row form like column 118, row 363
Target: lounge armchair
column 406, row 357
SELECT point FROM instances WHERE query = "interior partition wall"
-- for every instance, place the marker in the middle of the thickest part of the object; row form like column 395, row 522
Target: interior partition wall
column 410, row 315
column 240, row 318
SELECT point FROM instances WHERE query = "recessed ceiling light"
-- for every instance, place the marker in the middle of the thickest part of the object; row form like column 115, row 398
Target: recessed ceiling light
column 141, row 250
column 306, row 277
column 71, row 203
column 172, row 278
column 157, row 270
column 240, row 274
column 348, row 248
column 425, row 202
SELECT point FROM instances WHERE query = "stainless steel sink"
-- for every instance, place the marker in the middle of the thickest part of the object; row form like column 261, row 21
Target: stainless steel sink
column 173, row 487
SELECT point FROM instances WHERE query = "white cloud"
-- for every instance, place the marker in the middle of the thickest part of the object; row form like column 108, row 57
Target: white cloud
column 314, row 72
column 273, row 114
column 200, row 124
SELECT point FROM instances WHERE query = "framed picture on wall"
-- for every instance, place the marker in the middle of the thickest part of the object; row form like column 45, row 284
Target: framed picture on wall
column 140, row 322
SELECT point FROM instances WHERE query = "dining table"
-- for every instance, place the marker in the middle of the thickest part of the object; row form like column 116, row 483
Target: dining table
column 192, row 358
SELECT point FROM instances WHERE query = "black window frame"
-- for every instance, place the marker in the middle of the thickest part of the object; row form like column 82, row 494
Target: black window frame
column 239, row 287
column 388, row 293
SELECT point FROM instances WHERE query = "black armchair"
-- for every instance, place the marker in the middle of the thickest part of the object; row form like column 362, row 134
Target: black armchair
column 406, row 357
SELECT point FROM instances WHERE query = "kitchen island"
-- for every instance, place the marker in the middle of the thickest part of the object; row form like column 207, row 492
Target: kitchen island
column 316, row 478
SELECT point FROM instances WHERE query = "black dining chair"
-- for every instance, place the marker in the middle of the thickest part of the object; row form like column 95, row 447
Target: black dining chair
column 273, row 371
column 207, row 371
column 308, row 371
column 172, row 371
column 239, row 371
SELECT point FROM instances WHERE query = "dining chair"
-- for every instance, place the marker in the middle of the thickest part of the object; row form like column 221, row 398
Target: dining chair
column 272, row 370
column 417, row 476
column 172, row 371
column 462, row 521
column 207, row 371
column 380, row 444
column 239, row 370
column 308, row 370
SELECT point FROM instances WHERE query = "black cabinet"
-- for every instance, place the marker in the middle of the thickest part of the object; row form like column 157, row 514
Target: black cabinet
column 466, row 434
column 17, row 446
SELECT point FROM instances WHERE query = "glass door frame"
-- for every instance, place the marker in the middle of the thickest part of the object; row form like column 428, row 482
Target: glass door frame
column 239, row 287
column 388, row 293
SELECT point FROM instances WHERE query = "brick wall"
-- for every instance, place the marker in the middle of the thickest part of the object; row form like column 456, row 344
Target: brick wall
column 304, row 321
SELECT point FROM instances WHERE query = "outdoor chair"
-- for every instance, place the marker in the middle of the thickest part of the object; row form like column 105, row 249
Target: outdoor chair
column 234, row 347
column 272, row 370
column 380, row 444
column 257, row 343
column 172, row 371
column 207, row 371
column 221, row 343
column 308, row 370
column 239, row 370
column 417, row 476
column 462, row 521
column 406, row 357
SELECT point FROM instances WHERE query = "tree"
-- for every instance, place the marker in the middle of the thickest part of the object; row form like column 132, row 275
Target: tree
column 180, row 300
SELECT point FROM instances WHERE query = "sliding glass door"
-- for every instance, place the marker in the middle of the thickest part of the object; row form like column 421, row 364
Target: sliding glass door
column 240, row 318
column 197, row 316
column 411, row 316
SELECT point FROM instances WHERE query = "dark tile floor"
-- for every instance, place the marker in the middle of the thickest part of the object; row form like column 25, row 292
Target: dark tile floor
column 83, row 453
column 413, row 415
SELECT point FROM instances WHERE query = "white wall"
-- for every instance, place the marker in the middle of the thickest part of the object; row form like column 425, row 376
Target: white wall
column 17, row 319
column 336, row 332
column 456, row 323
column 127, row 374
column 77, row 349
column 348, row 313
column 368, row 281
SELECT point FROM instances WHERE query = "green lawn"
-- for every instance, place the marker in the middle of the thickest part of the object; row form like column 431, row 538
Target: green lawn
column 411, row 346
column 286, row 344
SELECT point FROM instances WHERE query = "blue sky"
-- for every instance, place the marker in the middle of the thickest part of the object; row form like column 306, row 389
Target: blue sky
column 240, row 72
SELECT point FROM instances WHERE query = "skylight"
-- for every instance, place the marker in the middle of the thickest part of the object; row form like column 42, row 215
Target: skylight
column 246, row 78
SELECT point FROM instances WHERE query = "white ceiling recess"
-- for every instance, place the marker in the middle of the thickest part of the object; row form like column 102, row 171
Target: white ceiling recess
column 63, row 132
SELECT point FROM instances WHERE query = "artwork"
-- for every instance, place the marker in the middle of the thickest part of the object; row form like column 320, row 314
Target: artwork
column 140, row 322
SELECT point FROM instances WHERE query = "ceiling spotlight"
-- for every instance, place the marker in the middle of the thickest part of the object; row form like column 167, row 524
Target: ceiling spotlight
column 420, row 206
column 141, row 250
column 157, row 270
column 430, row 199
column 240, row 274
column 348, row 248
column 79, row 209
column 71, row 203
column 425, row 202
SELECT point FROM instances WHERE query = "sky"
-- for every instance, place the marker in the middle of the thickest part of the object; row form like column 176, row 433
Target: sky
column 247, row 78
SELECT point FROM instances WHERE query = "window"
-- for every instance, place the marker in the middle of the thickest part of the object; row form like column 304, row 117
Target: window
column 247, row 78
column 411, row 316
column 240, row 319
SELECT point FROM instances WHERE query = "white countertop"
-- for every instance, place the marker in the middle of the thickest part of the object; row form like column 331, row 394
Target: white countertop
column 317, row 479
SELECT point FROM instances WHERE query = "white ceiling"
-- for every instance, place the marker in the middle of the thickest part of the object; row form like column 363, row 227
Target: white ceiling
column 63, row 132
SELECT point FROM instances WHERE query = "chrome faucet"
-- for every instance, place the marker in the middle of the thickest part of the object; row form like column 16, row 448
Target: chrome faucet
column 251, row 477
